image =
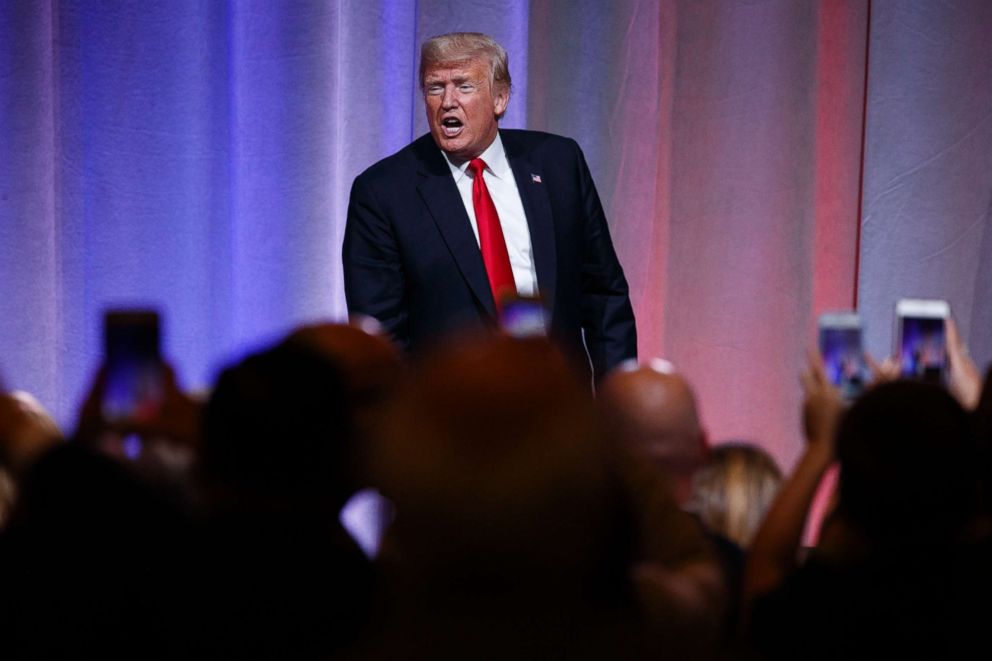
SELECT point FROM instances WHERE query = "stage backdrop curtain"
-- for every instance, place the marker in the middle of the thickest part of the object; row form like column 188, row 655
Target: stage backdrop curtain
column 197, row 157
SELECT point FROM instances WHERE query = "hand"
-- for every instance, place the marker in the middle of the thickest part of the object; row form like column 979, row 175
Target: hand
column 822, row 408
column 177, row 420
column 964, row 381
column 883, row 372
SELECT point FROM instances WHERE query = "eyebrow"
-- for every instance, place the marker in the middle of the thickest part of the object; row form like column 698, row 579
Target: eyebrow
column 457, row 80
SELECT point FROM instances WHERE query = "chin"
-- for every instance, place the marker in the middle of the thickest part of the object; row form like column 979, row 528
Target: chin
column 455, row 151
column 445, row 145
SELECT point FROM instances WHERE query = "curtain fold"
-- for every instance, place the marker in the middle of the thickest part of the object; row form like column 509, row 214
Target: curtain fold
column 30, row 237
column 928, row 166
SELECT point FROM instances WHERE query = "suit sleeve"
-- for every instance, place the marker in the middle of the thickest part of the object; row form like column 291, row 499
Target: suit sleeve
column 607, row 315
column 374, row 283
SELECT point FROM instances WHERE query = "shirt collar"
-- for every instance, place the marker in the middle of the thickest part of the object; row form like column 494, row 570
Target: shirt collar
column 494, row 156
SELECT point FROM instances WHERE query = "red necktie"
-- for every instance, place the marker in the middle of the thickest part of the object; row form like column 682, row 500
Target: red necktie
column 491, row 241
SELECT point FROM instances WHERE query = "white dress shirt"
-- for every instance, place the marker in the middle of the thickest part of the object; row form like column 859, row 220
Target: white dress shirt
column 503, row 189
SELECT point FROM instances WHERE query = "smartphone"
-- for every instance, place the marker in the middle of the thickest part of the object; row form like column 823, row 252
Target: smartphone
column 921, row 339
column 134, row 389
column 840, row 339
column 524, row 316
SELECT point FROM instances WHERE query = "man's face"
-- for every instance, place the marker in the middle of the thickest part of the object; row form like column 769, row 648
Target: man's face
column 462, row 107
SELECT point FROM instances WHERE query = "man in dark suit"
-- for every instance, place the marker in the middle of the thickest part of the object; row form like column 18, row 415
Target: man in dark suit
column 442, row 232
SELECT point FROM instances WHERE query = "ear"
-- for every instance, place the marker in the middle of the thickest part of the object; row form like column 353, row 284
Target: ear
column 501, row 97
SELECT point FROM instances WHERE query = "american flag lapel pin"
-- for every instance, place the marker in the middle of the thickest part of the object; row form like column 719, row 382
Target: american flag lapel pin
column 536, row 178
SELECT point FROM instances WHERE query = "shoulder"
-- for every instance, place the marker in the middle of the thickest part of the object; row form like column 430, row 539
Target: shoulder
column 536, row 144
column 546, row 151
column 420, row 155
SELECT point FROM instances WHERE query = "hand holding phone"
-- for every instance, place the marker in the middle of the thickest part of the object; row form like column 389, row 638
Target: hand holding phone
column 134, row 409
column 822, row 408
column 963, row 378
column 840, row 341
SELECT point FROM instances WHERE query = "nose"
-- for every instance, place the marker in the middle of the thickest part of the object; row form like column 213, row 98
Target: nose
column 449, row 99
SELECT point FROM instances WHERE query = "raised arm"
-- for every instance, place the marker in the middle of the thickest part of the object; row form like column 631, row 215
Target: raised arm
column 773, row 555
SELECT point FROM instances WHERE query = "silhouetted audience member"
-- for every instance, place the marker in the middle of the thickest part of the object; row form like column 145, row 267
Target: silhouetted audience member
column 512, row 533
column 731, row 494
column 531, row 521
column 283, row 579
column 373, row 368
column 900, row 571
column 656, row 419
column 26, row 432
column 94, row 564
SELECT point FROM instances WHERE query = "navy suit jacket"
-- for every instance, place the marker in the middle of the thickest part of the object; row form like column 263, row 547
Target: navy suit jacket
column 412, row 261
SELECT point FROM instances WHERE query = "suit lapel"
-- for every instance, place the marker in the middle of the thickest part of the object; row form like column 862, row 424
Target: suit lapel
column 440, row 194
column 537, row 206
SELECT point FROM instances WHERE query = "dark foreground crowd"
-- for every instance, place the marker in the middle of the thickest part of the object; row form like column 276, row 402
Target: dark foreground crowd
column 529, row 519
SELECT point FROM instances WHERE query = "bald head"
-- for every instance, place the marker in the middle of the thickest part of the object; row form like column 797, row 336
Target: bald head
column 657, row 413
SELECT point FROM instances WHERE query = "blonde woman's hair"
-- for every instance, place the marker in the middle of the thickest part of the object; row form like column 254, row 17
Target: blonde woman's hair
column 734, row 490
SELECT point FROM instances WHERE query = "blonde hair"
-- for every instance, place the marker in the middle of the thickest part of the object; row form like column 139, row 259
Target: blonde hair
column 734, row 490
column 462, row 47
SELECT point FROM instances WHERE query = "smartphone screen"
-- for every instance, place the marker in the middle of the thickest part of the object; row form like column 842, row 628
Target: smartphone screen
column 524, row 317
column 133, row 389
column 922, row 335
column 843, row 355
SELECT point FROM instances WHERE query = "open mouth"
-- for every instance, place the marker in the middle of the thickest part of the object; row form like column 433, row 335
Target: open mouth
column 451, row 126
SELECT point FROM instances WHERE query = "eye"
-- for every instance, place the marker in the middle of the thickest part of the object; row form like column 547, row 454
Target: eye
column 435, row 90
column 466, row 87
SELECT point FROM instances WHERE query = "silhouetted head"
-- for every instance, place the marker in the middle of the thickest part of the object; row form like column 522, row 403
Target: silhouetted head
column 656, row 412
column 277, row 427
column 371, row 366
column 907, row 464
column 494, row 456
